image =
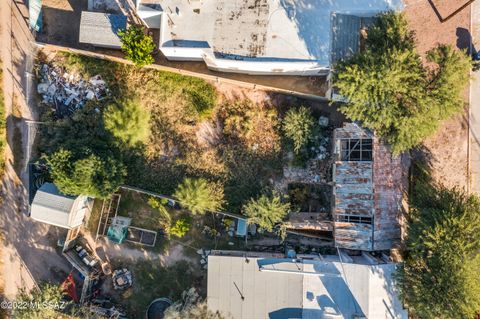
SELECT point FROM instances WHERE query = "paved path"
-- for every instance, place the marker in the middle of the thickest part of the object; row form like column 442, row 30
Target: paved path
column 474, row 162
column 29, row 253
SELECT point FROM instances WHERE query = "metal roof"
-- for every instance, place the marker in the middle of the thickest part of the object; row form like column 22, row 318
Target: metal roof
column 368, row 194
column 346, row 34
column 101, row 29
column 303, row 289
column 263, row 292
column 52, row 207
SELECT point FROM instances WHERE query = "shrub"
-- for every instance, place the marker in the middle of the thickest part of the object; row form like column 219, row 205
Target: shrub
column 440, row 274
column 266, row 211
column 199, row 195
column 180, row 228
column 298, row 126
column 159, row 205
column 127, row 121
column 137, row 45
column 51, row 296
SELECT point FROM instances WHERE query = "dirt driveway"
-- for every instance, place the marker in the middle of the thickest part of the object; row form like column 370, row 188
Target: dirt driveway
column 29, row 253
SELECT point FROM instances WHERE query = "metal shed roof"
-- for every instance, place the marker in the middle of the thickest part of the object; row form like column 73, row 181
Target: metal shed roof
column 274, row 288
column 52, row 207
column 101, row 29
column 346, row 34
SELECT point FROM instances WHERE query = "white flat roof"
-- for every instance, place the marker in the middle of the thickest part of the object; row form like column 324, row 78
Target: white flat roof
column 312, row 289
column 270, row 29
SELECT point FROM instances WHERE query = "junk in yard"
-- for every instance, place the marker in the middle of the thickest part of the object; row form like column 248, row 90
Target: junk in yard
column 112, row 313
column 122, row 279
column 66, row 92
column 87, row 258
column 204, row 257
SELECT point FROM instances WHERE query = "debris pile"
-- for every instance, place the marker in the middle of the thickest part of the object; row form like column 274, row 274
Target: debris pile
column 122, row 279
column 66, row 92
column 204, row 257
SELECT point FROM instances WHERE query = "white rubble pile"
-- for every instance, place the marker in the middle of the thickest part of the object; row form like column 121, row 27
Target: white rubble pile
column 66, row 92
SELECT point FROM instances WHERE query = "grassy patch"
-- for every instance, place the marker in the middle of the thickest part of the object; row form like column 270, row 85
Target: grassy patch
column 135, row 205
column 153, row 281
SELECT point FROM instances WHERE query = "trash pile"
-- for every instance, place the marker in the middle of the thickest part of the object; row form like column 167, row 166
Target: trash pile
column 66, row 92
column 204, row 260
column 122, row 279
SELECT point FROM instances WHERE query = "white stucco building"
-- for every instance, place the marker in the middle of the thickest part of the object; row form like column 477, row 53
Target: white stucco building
column 285, row 37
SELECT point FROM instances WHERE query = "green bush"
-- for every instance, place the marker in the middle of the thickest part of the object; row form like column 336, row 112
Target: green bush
column 48, row 294
column 440, row 277
column 199, row 195
column 127, row 121
column 89, row 175
column 137, row 45
column 180, row 228
column 298, row 127
column 389, row 89
column 159, row 205
column 266, row 211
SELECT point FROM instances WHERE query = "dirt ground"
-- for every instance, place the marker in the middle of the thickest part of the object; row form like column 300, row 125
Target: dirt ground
column 29, row 253
column 446, row 151
column 61, row 21
column 233, row 92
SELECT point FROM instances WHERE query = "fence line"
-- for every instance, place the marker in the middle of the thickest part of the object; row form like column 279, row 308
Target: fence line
column 208, row 77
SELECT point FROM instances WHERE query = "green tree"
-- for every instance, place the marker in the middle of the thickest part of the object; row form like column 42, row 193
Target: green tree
column 298, row 126
column 87, row 175
column 127, row 121
column 49, row 295
column 180, row 228
column 389, row 89
column 199, row 195
column 266, row 211
column 137, row 45
column 440, row 274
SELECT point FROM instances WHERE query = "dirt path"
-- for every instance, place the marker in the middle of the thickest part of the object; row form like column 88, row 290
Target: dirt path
column 29, row 253
column 111, row 251
column 447, row 150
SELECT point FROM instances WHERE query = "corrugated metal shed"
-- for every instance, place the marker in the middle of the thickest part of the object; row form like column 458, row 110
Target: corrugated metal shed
column 368, row 193
column 390, row 182
column 346, row 34
column 51, row 207
column 101, row 29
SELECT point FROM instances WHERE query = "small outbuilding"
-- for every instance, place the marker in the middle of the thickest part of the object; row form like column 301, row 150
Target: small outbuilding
column 101, row 29
column 50, row 206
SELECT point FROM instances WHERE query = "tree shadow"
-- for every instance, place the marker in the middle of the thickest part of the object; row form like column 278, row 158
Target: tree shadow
column 62, row 26
column 464, row 41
